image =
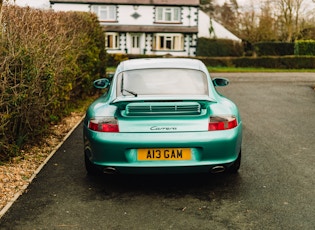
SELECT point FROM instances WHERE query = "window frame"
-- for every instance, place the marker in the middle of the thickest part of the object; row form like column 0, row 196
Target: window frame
column 114, row 40
column 110, row 12
column 168, row 42
column 167, row 14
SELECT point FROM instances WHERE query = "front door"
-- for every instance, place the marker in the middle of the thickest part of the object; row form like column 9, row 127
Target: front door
column 135, row 44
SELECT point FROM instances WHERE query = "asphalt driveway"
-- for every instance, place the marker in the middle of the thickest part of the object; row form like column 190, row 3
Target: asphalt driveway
column 273, row 190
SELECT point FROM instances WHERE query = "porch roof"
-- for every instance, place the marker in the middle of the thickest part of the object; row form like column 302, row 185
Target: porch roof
column 150, row 29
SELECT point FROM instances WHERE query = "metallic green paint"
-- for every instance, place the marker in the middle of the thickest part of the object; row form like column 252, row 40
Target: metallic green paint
column 170, row 121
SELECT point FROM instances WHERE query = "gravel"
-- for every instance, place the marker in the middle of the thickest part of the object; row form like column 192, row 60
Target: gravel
column 17, row 174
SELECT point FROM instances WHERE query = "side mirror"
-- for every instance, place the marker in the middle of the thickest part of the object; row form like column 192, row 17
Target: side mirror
column 110, row 76
column 220, row 82
column 101, row 83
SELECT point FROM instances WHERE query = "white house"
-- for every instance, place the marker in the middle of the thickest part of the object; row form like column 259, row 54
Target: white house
column 155, row 27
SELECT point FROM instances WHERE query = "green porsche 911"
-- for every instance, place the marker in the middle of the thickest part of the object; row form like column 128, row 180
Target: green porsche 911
column 162, row 115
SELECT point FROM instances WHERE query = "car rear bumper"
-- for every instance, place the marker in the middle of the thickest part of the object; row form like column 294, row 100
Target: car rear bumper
column 118, row 151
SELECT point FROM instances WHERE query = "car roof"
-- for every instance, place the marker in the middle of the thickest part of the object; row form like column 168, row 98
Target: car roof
column 151, row 63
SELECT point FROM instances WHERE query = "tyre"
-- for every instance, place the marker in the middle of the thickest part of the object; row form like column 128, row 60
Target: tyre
column 236, row 164
column 90, row 167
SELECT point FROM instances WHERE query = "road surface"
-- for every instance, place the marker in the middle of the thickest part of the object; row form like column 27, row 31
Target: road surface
column 275, row 188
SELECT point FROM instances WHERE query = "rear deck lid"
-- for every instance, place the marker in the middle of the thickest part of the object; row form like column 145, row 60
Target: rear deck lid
column 163, row 117
column 163, row 108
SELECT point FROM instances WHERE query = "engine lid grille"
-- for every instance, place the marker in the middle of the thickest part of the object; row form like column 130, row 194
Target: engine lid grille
column 163, row 108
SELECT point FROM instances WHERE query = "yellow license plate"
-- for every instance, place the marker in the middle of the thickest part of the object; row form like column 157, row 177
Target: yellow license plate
column 164, row 154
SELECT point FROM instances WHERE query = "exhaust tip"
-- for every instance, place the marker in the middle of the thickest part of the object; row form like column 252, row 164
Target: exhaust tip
column 217, row 169
column 110, row 170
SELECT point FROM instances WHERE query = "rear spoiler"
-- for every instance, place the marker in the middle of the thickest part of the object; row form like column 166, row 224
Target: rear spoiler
column 123, row 101
column 128, row 99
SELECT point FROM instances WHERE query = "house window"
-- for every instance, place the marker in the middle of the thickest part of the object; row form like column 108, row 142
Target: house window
column 168, row 42
column 112, row 40
column 105, row 13
column 167, row 14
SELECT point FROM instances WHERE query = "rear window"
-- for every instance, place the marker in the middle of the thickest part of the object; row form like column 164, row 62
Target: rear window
column 162, row 82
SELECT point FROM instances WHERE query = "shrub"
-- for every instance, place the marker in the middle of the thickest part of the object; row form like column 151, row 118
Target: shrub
column 287, row 62
column 47, row 62
column 304, row 47
column 115, row 59
column 274, row 48
column 218, row 48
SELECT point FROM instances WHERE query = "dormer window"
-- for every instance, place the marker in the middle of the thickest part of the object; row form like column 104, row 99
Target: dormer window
column 105, row 13
column 167, row 15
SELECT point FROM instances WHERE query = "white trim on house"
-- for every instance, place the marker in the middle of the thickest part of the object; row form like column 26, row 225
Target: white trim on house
column 154, row 27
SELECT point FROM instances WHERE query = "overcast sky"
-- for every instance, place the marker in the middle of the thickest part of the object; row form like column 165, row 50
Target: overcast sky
column 33, row 3
column 242, row 3
column 45, row 3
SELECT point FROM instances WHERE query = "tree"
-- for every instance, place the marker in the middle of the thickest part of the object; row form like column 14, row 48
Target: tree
column 207, row 6
column 1, row 3
column 234, row 5
column 290, row 16
column 267, row 25
column 278, row 20
column 228, row 17
column 248, row 26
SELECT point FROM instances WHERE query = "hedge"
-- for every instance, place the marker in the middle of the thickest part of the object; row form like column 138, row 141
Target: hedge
column 305, row 47
column 228, row 48
column 48, row 61
column 287, row 62
column 274, row 48
column 283, row 62
column 219, row 48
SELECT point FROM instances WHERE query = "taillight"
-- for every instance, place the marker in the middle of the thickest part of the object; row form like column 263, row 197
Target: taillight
column 222, row 123
column 104, row 124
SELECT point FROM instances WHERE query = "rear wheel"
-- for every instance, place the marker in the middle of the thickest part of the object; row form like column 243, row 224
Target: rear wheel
column 236, row 164
column 90, row 167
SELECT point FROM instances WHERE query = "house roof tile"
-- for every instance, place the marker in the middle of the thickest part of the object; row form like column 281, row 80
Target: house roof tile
column 133, row 2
